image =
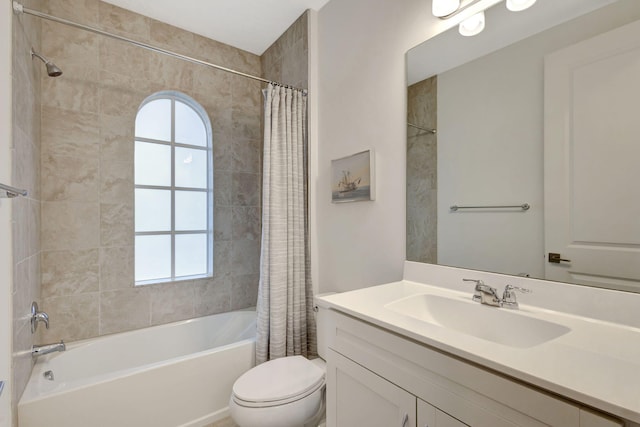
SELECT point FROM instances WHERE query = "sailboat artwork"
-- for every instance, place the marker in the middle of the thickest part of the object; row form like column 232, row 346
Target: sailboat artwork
column 352, row 178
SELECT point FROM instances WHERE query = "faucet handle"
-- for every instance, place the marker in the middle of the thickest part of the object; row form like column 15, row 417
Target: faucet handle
column 509, row 297
column 477, row 296
column 38, row 316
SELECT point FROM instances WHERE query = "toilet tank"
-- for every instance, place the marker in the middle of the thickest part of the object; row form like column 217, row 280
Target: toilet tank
column 322, row 327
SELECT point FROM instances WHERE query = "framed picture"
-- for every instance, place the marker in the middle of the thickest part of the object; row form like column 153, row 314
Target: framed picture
column 352, row 178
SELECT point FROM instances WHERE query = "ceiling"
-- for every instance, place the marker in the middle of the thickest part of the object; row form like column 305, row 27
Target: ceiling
column 251, row 25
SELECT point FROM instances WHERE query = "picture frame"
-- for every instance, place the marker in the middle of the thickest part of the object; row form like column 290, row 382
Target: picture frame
column 353, row 178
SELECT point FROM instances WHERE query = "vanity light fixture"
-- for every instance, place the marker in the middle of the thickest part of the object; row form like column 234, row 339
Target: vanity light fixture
column 441, row 8
column 445, row 9
column 518, row 5
column 472, row 25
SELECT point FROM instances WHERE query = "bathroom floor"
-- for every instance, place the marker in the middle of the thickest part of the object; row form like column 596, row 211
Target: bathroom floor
column 227, row 422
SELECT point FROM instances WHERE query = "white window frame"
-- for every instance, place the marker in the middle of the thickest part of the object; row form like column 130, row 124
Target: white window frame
column 174, row 96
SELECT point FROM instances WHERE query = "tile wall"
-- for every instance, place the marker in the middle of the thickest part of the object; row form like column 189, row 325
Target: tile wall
column 26, row 210
column 87, row 171
column 286, row 60
column 422, row 172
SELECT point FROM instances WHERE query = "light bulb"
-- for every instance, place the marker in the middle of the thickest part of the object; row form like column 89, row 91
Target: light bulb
column 444, row 7
column 472, row 25
column 518, row 5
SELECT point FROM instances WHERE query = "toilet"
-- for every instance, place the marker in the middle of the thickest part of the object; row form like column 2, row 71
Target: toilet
column 284, row 392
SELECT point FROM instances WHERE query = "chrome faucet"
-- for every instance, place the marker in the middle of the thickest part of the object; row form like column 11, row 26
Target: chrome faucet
column 41, row 350
column 38, row 316
column 487, row 295
column 509, row 296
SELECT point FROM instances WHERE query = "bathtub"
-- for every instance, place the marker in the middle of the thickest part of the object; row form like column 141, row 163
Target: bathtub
column 179, row 374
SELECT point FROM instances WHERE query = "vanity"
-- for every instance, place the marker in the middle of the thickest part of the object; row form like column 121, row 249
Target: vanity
column 421, row 352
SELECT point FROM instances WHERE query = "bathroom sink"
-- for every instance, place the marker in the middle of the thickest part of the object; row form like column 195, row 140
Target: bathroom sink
column 498, row 325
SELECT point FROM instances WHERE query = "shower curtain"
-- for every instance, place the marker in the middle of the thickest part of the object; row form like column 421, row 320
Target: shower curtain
column 286, row 324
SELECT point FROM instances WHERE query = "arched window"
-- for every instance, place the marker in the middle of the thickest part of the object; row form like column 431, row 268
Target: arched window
column 173, row 190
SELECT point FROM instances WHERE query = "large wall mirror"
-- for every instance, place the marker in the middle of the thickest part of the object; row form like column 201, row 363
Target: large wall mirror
column 540, row 109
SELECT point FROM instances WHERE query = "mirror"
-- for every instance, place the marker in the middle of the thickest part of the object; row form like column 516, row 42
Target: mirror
column 484, row 96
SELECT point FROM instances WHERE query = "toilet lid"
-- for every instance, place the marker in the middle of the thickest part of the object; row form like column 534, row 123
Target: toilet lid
column 278, row 380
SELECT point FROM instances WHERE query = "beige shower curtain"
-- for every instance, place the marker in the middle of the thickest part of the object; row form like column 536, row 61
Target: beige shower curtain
column 286, row 325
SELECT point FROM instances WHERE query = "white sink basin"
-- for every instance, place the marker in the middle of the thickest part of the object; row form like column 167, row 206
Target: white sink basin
column 498, row 325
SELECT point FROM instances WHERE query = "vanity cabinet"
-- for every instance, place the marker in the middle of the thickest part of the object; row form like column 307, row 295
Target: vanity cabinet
column 430, row 416
column 362, row 398
column 379, row 378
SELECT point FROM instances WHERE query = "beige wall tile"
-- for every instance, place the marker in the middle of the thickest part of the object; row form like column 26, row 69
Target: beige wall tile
column 246, row 189
column 116, row 182
column 245, row 257
column 70, row 272
column 116, row 268
column 25, row 172
column 70, row 94
column 70, row 133
column 172, row 302
column 222, row 223
column 89, row 114
column 84, row 11
column 422, row 173
column 246, row 123
column 70, row 225
column 246, row 223
column 116, row 224
column 72, row 179
column 212, row 296
column 244, row 291
column 71, row 317
column 124, row 310
column 124, row 22
column 247, row 155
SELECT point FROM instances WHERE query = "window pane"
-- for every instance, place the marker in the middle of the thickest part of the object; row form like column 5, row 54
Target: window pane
column 191, row 254
column 153, row 210
column 191, row 168
column 191, row 210
column 189, row 126
column 153, row 257
column 152, row 164
column 154, row 120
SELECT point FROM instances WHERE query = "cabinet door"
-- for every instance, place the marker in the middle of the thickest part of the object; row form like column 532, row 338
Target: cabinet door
column 358, row 397
column 430, row 416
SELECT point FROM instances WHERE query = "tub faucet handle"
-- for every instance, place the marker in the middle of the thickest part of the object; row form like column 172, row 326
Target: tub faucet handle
column 38, row 316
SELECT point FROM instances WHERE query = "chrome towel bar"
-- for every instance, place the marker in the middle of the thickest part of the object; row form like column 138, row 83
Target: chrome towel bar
column 524, row 207
column 9, row 192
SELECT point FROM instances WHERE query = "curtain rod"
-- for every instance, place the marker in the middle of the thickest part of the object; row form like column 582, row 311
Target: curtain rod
column 18, row 8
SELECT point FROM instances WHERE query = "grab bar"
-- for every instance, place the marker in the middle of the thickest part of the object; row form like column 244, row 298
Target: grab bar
column 524, row 207
column 430, row 130
column 9, row 192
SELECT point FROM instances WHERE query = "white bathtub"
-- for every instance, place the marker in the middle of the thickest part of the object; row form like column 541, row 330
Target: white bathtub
column 172, row 375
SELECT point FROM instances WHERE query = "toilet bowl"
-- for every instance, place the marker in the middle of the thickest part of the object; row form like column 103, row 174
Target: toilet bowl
column 284, row 392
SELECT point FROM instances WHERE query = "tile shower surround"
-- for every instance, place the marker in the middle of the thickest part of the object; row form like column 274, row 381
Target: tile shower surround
column 25, row 210
column 422, row 172
column 87, row 172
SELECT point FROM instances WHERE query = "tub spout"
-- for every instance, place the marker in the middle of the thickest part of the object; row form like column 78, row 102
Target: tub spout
column 40, row 350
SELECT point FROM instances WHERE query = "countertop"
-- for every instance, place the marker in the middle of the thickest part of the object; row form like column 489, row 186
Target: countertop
column 596, row 363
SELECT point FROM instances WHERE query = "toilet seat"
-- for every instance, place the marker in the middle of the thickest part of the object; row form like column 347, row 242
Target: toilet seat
column 278, row 382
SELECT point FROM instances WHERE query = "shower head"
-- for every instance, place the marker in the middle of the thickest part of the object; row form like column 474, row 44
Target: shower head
column 52, row 69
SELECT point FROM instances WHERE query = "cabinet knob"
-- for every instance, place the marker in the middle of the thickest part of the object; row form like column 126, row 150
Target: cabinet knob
column 405, row 420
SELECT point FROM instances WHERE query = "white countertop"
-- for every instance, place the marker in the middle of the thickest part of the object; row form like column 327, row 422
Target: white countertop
column 596, row 363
